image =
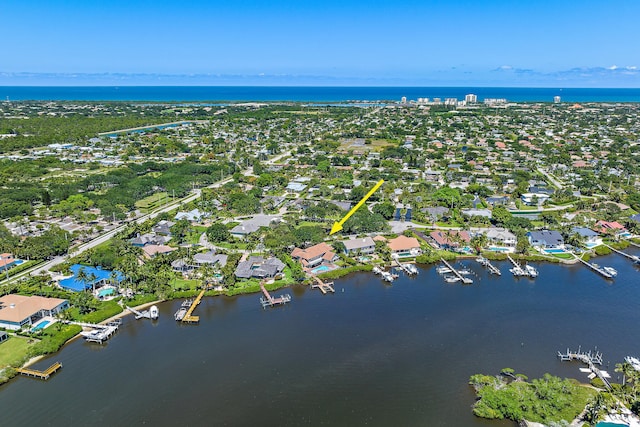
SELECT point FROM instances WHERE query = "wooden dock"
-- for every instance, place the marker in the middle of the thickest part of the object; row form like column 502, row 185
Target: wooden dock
column 631, row 257
column 269, row 301
column 324, row 287
column 596, row 268
column 486, row 263
column 517, row 270
column 139, row 314
column 404, row 267
column 591, row 359
column 41, row 375
column 189, row 317
column 465, row 280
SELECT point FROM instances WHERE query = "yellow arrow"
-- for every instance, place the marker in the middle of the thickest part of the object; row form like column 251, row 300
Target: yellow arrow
column 337, row 226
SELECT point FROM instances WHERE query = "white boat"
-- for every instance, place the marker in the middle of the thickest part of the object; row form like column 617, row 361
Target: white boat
column 517, row 271
column 531, row 270
column 481, row 260
column 634, row 362
column 451, row 279
column 386, row 276
column 442, row 270
column 411, row 269
column 154, row 312
column 465, row 272
column 376, row 270
column 612, row 271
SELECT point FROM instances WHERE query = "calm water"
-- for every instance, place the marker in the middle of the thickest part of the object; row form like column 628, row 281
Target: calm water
column 306, row 94
column 370, row 355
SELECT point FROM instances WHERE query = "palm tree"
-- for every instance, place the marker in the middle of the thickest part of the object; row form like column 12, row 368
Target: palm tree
column 92, row 278
column 83, row 277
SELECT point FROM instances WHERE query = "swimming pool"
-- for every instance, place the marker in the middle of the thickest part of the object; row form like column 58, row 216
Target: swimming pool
column 321, row 269
column 554, row 251
column 106, row 292
column 498, row 249
column 40, row 325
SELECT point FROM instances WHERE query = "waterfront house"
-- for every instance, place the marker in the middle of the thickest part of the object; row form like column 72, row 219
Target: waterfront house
column 259, row 268
column 502, row 238
column 19, row 311
column 315, row 255
column 546, row 239
column 611, row 227
column 449, row 240
column 210, row 258
column 403, row 246
column 590, row 237
column 365, row 245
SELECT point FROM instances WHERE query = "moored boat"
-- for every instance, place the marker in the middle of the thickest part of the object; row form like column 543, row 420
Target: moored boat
column 154, row 312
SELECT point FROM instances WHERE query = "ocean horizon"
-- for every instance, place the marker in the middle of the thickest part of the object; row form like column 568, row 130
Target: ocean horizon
column 317, row 94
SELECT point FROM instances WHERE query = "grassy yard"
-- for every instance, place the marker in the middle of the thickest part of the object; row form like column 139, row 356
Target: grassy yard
column 13, row 351
column 180, row 284
column 149, row 203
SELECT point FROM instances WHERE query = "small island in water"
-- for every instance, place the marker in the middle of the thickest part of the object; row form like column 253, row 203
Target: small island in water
column 553, row 401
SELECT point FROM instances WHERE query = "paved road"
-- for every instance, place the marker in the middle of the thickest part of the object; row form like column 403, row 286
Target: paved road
column 43, row 268
column 554, row 181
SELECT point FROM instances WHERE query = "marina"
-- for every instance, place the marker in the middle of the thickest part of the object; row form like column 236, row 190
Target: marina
column 457, row 276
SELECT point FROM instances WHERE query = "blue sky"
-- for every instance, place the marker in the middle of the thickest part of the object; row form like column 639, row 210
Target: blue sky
column 375, row 42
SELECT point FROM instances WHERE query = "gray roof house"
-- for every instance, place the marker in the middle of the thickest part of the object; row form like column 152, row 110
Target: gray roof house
column 437, row 212
column 149, row 239
column 258, row 267
column 502, row 237
column 587, row 234
column 545, row 238
column 163, row 228
column 191, row 216
column 252, row 225
column 210, row 258
column 364, row 246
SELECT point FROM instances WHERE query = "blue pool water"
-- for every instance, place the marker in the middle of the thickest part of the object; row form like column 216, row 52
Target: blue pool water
column 104, row 292
column 498, row 249
column 320, row 269
column 606, row 424
column 554, row 251
column 72, row 283
column 40, row 325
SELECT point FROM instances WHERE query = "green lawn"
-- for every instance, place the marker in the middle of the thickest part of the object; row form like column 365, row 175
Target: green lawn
column 13, row 351
column 151, row 202
column 179, row 284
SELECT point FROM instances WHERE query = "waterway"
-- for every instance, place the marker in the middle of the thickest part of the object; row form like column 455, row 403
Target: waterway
column 370, row 354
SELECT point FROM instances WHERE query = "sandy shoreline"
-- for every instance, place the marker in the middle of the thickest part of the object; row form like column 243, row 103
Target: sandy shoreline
column 124, row 313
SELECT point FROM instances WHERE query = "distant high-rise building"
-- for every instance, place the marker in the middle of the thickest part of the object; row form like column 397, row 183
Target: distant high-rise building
column 471, row 98
column 556, row 100
column 403, row 100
